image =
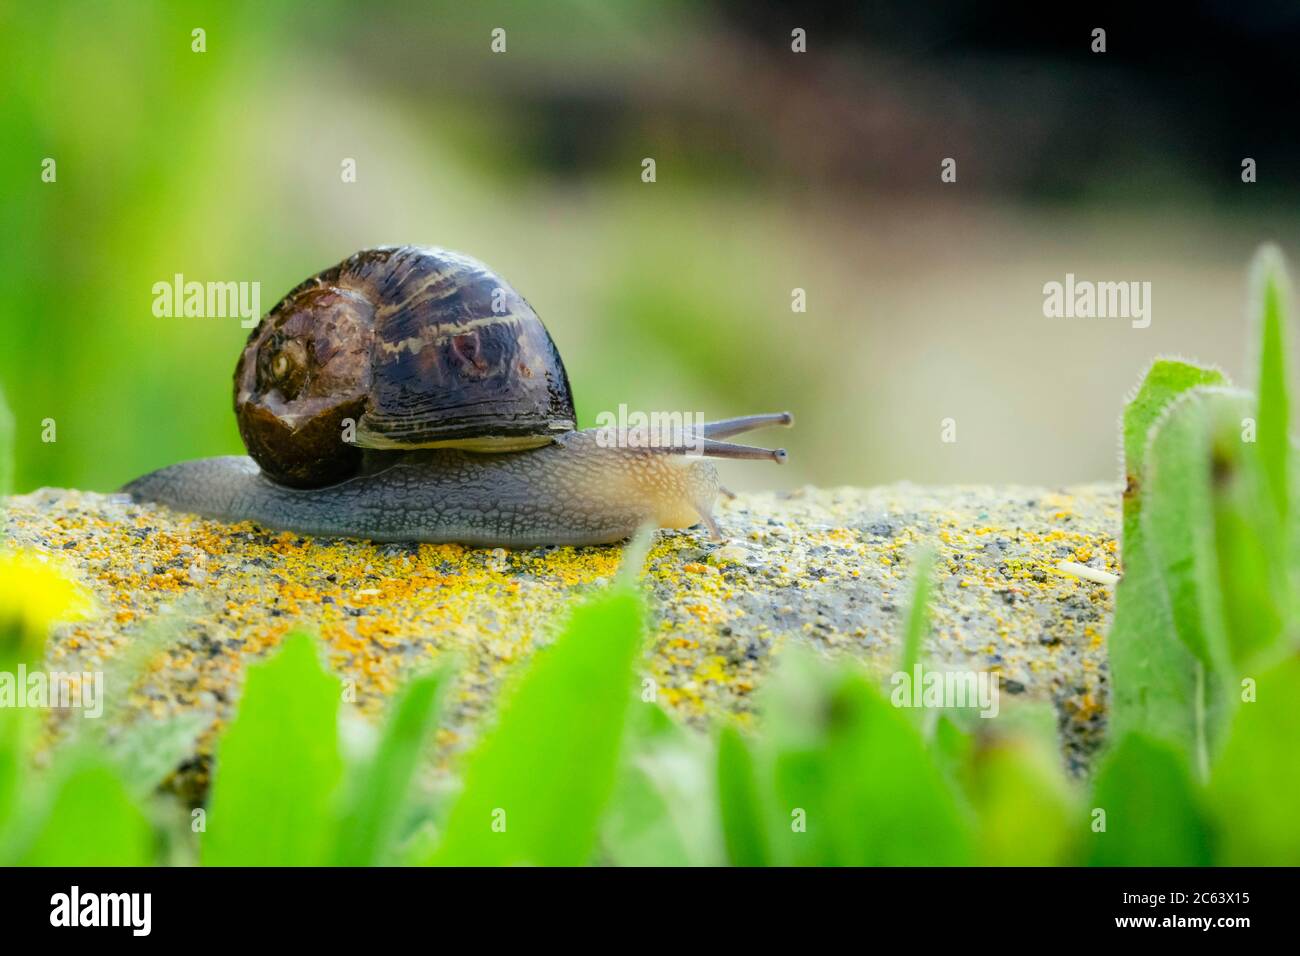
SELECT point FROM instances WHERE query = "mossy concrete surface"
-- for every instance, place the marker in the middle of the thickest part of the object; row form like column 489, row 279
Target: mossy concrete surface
column 826, row 568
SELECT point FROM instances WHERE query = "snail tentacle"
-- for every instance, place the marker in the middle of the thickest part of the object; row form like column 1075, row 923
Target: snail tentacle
column 727, row 427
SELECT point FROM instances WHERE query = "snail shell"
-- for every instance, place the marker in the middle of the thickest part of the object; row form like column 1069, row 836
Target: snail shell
column 417, row 347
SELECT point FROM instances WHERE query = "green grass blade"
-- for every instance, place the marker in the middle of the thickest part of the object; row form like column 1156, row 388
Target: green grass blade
column 1255, row 781
column 1273, row 343
column 1270, row 305
column 374, row 802
column 918, row 610
column 739, row 801
column 535, row 787
column 635, row 551
column 1153, row 816
column 278, row 766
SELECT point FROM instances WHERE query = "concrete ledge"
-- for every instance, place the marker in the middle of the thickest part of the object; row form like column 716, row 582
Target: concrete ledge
column 828, row 568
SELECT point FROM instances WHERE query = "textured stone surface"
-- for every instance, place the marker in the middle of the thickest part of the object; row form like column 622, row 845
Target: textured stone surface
column 197, row 600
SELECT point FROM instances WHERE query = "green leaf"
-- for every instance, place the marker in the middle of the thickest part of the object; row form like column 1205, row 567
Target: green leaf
column 1164, row 381
column 852, row 783
column 374, row 803
column 1178, row 518
column 1270, row 295
column 1250, row 542
column 1008, row 770
column 1153, row 816
column 92, row 821
column 1254, row 783
column 1217, row 543
column 535, row 787
column 278, row 766
column 16, row 733
column 739, row 801
column 1154, row 682
column 663, row 811
column 1023, row 805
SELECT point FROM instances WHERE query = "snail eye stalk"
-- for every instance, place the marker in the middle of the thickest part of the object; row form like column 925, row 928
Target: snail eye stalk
column 705, row 442
column 747, row 423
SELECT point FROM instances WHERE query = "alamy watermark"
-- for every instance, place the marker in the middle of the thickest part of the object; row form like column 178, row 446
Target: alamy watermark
column 60, row 690
column 945, row 689
column 133, row 911
column 1085, row 299
column 208, row 300
column 635, row 429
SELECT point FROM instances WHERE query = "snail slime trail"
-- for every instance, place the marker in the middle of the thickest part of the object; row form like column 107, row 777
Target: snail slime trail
column 462, row 417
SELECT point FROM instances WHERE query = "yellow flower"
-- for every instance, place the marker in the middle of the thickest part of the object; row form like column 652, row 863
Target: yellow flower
column 34, row 594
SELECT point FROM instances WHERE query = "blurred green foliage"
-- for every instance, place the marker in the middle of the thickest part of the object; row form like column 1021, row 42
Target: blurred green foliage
column 535, row 788
column 280, row 766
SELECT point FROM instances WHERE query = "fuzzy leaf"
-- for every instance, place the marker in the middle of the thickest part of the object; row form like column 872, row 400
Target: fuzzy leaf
column 1178, row 518
column 1215, row 537
column 1153, row 675
column 1250, row 542
column 1254, row 783
column 1164, row 381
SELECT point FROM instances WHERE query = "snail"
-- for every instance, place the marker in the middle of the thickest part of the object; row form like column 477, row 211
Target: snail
column 410, row 394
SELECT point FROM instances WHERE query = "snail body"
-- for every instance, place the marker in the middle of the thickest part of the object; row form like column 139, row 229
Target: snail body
column 410, row 394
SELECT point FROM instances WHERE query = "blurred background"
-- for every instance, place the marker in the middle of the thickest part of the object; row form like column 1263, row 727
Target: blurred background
column 775, row 171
